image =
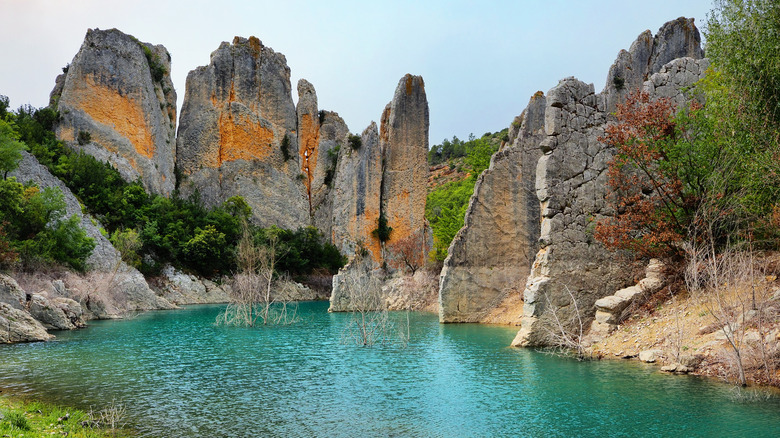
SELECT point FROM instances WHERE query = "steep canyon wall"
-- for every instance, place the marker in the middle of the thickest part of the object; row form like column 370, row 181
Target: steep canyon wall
column 557, row 168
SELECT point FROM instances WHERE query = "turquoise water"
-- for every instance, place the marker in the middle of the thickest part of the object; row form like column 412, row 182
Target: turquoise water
column 178, row 375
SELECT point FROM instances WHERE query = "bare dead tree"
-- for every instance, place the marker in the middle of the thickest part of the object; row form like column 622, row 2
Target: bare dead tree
column 408, row 253
column 253, row 299
column 370, row 321
column 565, row 333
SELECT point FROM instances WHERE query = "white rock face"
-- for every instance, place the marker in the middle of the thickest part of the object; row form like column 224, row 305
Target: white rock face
column 16, row 324
column 567, row 180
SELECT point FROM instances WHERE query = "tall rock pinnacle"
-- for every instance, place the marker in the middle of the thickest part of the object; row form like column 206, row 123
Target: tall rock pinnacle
column 237, row 116
column 404, row 139
column 117, row 103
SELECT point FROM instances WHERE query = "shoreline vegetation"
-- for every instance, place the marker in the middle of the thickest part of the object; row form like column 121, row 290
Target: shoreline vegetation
column 20, row 416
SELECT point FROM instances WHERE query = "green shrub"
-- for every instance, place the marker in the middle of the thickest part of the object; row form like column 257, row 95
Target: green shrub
column 285, row 147
column 84, row 138
column 382, row 231
column 354, row 141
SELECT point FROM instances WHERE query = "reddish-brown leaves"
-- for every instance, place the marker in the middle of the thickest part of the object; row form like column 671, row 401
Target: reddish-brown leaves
column 647, row 195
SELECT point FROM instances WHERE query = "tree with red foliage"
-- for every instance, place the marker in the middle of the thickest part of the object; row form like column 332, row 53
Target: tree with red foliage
column 653, row 200
column 409, row 252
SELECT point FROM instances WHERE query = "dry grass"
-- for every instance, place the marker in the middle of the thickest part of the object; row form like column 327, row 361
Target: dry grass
column 712, row 323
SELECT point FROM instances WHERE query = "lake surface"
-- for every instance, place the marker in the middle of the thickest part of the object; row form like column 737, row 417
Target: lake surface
column 179, row 375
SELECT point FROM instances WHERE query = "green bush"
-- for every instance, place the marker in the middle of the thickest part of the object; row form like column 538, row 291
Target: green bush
column 285, row 147
column 354, row 141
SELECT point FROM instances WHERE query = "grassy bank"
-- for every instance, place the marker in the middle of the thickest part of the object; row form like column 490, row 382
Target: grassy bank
column 22, row 418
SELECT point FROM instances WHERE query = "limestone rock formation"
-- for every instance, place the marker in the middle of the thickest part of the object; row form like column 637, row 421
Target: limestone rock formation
column 609, row 310
column 236, row 114
column 180, row 288
column 16, row 324
column 572, row 186
column 19, row 326
column 495, row 248
column 333, row 139
column 557, row 160
column 675, row 39
column 116, row 102
column 385, row 176
column 356, row 194
column 403, row 134
column 128, row 284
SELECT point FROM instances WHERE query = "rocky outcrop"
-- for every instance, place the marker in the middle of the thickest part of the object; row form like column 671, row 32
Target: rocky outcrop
column 16, row 323
column 356, row 194
column 237, row 113
column 19, row 326
column 609, row 310
column 180, row 288
column 403, row 135
column 117, row 103
column 126, row 283
column 572, row 185
column 565, row 270
column 647, row 55
column 332, row 147
column 495, row 248
column 385, row 175
column 56, row 314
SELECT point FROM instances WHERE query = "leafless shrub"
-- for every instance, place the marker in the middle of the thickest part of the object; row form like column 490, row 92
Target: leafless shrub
column 370, row 321
column 728, row 284
column 565, row 332
column 111, row 418
column 258, row 294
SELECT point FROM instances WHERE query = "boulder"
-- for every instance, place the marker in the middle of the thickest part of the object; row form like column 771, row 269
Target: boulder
column 676, row 368
column 11, row 293
column 19, row 326
column 650, row 356
column 72, row 310
column 48, row 314
column 117, row 103
column 691, row 361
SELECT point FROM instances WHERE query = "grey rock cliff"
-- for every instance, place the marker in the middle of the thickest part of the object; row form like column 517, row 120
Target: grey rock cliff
column 647, row 55
column 357, row 195
column 558, row 162
column 237, row 110
column 403, row 134
column 386, row 175
column 117, row 103
column 495, row 248
column 572, row 187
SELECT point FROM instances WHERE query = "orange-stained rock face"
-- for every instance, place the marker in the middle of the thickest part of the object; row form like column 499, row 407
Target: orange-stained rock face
column 241, row 138
column 123, row 113
column 309, row 138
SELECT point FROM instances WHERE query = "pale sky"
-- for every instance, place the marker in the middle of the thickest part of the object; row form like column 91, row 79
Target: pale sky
column 481, row 60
